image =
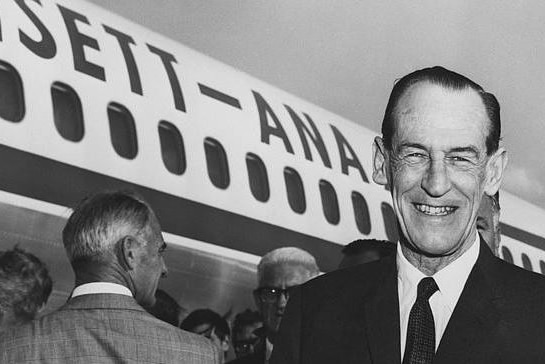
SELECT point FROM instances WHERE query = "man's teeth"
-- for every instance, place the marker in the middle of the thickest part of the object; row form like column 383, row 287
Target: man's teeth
column 433, row 210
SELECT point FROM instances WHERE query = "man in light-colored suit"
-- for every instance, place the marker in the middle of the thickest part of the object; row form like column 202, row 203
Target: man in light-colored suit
column 115, row 246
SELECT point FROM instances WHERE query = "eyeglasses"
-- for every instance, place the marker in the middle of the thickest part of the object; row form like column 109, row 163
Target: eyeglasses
column 272, row 294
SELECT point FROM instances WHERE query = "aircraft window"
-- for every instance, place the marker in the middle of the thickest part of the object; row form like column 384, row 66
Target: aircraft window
column 295, row 190
column 216, row 161
column 506, row 253
column 122, row 131
column 257, row 175
column 526, row 263
column 542, row 266
column 330, row 204
column 361, row 213
column 67, row 112
column 172, row 148
column 390, row 222
column 12, row 100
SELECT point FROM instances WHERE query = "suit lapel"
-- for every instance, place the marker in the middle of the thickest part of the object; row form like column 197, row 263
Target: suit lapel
column 475, row 318
column 382, row 317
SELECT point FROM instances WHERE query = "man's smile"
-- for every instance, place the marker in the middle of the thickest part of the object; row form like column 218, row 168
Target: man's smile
column 435, row 210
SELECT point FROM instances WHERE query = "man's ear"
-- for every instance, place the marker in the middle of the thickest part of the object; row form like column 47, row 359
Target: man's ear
column 380, row 173
column 127, row 252
column 495, row 168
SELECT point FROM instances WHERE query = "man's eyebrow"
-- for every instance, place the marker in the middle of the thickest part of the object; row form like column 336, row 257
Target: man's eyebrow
column 411, row 145
column 469, row 149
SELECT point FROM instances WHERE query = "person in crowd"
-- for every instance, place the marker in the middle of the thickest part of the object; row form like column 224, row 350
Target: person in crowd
column 114, row 243
column 364, row 251
column 211, row 325
column 443, row 297
column 246, row 336
column 488, row 221
column 278, row 272
column 25, row 286
column 166, row 308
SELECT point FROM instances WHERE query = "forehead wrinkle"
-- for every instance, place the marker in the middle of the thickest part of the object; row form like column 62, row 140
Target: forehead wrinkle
column 412, row 99
column 445, row 110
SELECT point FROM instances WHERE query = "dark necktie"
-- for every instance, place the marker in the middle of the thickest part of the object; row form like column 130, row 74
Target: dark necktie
column 420, row 344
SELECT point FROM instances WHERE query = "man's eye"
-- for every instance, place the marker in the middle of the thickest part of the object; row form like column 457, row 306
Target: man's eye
column 415, row 156
column 459, row 159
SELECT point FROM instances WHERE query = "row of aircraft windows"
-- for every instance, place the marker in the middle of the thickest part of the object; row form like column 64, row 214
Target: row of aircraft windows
column 526, row 262
column 68, row 118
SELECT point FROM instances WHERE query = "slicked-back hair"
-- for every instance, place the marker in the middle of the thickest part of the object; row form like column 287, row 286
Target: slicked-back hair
column 451, row 81
column 287, row 255
column 207, row 316
column 25, row 283
column 101, row 220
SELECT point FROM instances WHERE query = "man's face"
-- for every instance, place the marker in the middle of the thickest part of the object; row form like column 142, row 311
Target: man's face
column 488, row 224
column 151, row 265
column 438, row 168
column 281, row 276
column 244, row 342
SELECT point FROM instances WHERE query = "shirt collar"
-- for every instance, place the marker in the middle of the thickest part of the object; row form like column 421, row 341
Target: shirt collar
column 268, row 350
column 101, row 287
column 450, row 280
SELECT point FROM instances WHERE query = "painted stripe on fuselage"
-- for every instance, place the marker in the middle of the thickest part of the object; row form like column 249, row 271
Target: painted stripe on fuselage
column 523, row 236
column 44, row 179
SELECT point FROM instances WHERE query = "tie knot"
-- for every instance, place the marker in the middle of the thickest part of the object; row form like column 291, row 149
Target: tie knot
column 426, row 288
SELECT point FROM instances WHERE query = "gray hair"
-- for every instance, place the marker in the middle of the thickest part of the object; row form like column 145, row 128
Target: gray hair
column 288, row 255
column 100, row 221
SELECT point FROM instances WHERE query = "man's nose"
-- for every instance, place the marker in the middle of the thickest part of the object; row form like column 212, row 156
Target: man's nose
column 436, row 181
column 283, row 299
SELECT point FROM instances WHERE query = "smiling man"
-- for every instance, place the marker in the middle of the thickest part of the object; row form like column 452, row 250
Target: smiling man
column 443, row 297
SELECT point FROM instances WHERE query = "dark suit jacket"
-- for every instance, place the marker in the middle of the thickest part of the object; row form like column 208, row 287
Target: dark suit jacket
column 103, row 328
column 352, row 316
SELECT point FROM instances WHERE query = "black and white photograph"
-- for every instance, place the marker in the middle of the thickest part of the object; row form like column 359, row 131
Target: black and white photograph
column 272, row 182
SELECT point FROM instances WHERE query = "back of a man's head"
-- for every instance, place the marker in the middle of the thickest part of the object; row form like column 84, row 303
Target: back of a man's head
column 99, row 221
column 25, row 286
column 365, row 250
column 287, row 256
column 115, row 237
column 449, row 80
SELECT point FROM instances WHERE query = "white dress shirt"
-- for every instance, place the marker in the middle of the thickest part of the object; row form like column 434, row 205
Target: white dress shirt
column 450, row 280
column 268, row 350
column 101, row 287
